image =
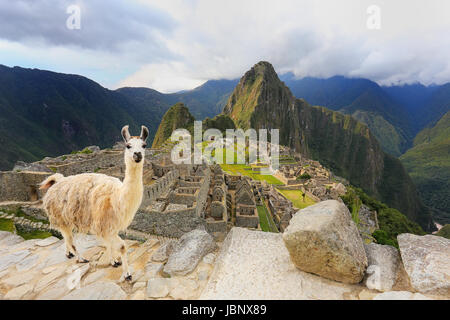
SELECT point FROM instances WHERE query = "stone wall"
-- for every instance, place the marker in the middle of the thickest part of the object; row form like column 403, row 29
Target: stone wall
column 104, row 159
column 247, row 221
column 216, row 226
column 169, row 223
column 157, row 189
column 21, row 186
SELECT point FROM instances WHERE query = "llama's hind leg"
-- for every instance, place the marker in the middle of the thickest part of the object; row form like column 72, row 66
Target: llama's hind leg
column 71, row 250
column 68, row 240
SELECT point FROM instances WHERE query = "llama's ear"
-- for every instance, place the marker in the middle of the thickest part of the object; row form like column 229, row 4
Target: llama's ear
column 144, row 133
column 125, row 133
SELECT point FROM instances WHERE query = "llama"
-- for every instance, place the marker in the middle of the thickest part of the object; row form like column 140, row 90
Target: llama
column 99, row 204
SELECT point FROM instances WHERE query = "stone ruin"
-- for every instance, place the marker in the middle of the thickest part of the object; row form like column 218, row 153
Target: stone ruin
column 245, row 204
column 281, row 209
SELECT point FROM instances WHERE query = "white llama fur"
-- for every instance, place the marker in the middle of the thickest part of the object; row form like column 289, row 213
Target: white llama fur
column 97, row 203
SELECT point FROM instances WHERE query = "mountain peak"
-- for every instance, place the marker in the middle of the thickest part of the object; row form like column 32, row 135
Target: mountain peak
column 262, row 69
column 258, row 88
column 178, row 116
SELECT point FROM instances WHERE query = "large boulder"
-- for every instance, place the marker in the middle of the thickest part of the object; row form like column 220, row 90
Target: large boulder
column 427, row 262
column 323, row 239
column 383, row 266
column 188, row 252
column 256, row 265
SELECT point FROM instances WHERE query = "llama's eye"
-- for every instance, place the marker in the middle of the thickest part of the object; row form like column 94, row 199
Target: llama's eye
column 128, row 146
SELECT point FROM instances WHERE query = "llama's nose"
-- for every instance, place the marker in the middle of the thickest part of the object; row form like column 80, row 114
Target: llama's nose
column 137, row 156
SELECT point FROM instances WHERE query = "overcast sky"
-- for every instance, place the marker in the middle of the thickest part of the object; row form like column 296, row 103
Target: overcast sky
column 176, row 45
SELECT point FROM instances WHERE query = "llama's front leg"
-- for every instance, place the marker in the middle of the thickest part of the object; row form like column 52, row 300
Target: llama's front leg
column 111, row 251
column 123, row 256
column 71, row 250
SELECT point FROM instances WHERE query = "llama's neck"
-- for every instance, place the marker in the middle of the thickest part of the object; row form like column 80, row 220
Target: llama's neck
column 132, row 189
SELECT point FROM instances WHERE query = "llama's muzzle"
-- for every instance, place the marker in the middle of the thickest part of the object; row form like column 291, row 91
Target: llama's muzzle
column 137, row 156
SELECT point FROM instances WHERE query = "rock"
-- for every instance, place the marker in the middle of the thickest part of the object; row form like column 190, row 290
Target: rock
column 185, row 290
column 28, row 263
column 400, row 295
column 164, row 251
column 203, row 275
column 36, row 167
column 209, row 258
column 188, row 252
column 93, row 148
column 256, row 265
column 66, row 283
column 151, row 271
column 138, row 295
column 49, row 278
column 383, row 263
column 11, row 239
column 95, row 276
column 157, row 288
column 97, row 291
column 11, row 259
column 366, row 294
column 47, row 241
column 18, row 279
column 18, row 292
column 57, row 255
column 4, row 234
column 139, row 285
column 427, row 262
column 340, row 189
column 322, row 239
column 368, row 222
column 35, row 212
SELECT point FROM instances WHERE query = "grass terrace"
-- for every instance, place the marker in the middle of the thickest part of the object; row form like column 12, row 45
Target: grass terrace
column 295, row 196
column 265, row 220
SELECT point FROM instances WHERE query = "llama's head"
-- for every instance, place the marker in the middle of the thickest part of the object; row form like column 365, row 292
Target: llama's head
column 134, row 146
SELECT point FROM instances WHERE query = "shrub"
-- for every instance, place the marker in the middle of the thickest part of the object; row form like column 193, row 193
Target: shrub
column 391, row 221
column 304, row 176
column 444, row 232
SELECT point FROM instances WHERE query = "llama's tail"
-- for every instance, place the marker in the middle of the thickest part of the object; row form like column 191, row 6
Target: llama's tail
column 47, row 183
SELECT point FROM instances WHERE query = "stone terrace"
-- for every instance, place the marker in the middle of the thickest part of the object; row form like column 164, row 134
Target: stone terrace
column 39, row 269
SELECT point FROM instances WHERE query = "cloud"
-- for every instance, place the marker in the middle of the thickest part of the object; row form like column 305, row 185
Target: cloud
column 104, row 25
column 173, row 45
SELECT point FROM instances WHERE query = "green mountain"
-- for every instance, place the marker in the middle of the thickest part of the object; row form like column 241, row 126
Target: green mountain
column 426, row 104
column 178, row 116
column 45, row 113
column 428, row 164
column 204, row 101
column 345, row 145
column 366, row 101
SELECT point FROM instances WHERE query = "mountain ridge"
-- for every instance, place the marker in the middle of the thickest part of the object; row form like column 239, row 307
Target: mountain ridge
column 338, row 141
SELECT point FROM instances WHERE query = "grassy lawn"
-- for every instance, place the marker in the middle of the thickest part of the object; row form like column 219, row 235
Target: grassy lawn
column 265, row 220
column 295, row 196
column 36, row 234
column 7, row 225
column 247, row 171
